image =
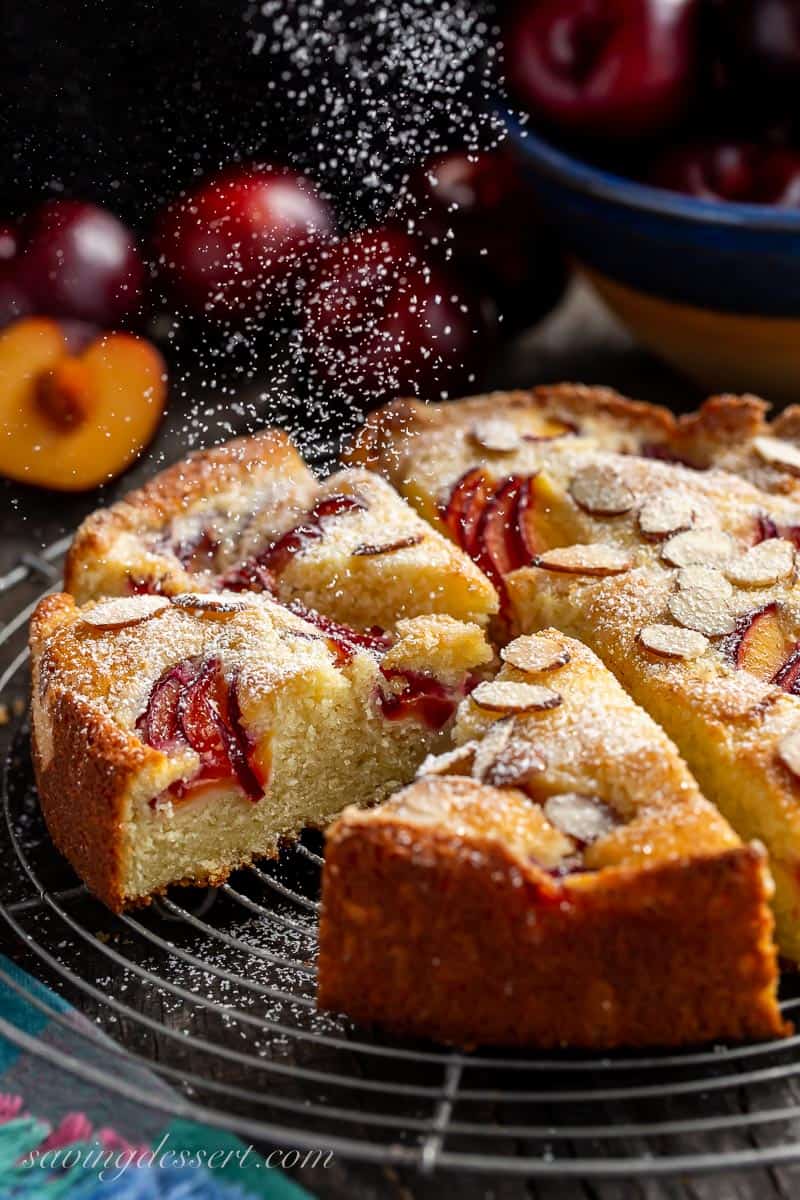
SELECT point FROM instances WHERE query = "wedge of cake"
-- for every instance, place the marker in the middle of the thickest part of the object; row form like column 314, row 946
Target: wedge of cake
column 715, row 664
column 177, row 738
column 249, row 516
column 557, row 878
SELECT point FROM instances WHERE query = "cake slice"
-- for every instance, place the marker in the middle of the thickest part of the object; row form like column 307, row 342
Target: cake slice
column 177, row 738
column 556, row 879
column 717, row 666
column 249, row 516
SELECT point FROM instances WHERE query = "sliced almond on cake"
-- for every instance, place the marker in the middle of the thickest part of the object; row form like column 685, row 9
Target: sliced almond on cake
column 705, row 547
column 670, row 641
column 585, row 818
column 202, row 602
column 599, row 490
column 665, row 514
column 453, row 762
column 594, row 559
column 533, row 653
column 516, row 764
column 508, row 697
column 491, row 746
column 778, row 453
column 496, row 435
column 124, row 610
column 703, row 601
column 763, row 565
column 369, row 550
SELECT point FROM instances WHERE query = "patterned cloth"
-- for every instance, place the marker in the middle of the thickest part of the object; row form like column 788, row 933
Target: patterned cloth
column 63, row 1137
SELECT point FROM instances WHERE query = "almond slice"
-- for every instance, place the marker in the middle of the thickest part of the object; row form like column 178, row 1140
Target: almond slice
column 585, row 818
column 489, row 749
column 703, row 602
column 422, row 803
column 599, row 490
column 705, row 578
column 453, row 762
column 702, row 547
column 533, row 653
column 789, row 751
column 515, row 766
column 204, row 602
column 125, row 610
column 669, row 641
column 496, row 435
column 763, row 565
column 666, row 513
column 508, row 697
column 367, row 550
column 594, row 559
column 778, row 453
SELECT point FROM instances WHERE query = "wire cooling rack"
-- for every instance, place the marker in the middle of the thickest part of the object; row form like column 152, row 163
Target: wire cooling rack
column 214, row 990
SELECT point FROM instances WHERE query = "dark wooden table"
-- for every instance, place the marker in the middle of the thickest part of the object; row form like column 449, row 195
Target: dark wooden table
column 578, row 342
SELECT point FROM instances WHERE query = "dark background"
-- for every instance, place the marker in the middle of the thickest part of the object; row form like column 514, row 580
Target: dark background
column 125, row 101
column 121, row 102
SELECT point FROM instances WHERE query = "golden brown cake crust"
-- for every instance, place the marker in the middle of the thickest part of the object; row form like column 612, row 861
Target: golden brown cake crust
column 105, row 793
column 87, row 769
column 84, row 770
column 200, row 476
column 724, row 432
column 476, row 946
column 376, row 444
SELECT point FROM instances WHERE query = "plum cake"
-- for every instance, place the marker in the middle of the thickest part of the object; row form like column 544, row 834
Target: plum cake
column 248, row 650
column 679, row 573
column 178, row 737
column 250, row 516
column 555, row 878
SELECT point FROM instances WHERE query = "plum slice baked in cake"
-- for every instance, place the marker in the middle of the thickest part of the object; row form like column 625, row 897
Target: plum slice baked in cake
column 682, row 578
column 250, row 516
column 177, row 738
column 557, row 878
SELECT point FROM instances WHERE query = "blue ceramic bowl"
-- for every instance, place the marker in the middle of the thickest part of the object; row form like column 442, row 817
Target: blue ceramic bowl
column 713, row 288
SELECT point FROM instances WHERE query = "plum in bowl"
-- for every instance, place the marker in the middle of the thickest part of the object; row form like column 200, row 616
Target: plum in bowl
column 711, row 286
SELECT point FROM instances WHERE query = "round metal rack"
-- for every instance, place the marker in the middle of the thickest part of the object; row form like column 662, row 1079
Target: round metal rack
column 214, row 991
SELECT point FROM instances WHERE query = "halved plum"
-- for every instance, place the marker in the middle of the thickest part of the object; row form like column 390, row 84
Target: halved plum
column 248, row 576
column 493, row 522
column 202, row 709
